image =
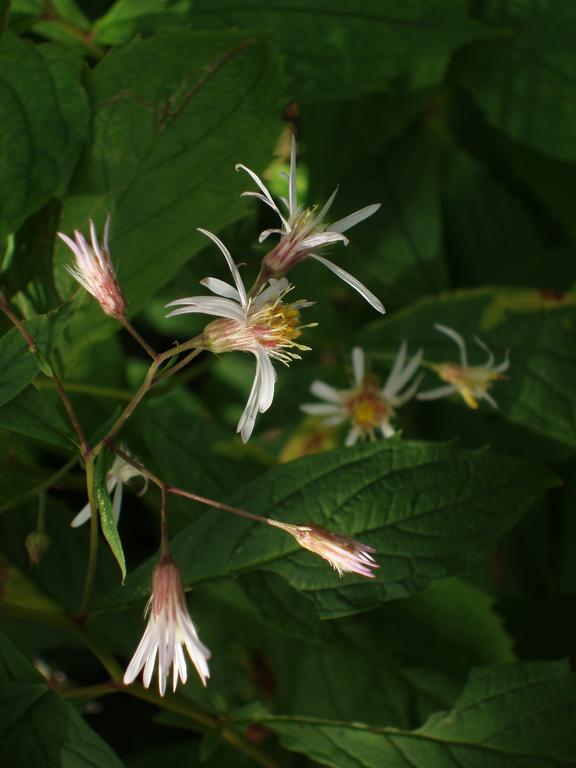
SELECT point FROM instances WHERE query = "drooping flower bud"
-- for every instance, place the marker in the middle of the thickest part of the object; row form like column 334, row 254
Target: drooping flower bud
column 37, row 544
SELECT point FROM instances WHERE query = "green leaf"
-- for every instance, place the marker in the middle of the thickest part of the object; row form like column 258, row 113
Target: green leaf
column 173, row 114
column 429, row 509
column 19, row 366
column 526, row 81
column 37, row 727
column 537, row 327
column 485, row 223
column 346, row 59
column 39, row 415
column 107, row 521
column 44, row 117
column 520, row 715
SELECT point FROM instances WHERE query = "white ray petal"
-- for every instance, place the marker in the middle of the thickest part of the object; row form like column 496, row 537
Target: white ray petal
column 82, row 517
column 265, row 195
column 455, row 336
column 391, row 387
column 436, row 394
column 320, row 409
column 326, row 207
column 487, row 396
column 387, row 429
column 292, row 198
column 490, row 359
column 504, row 365
column 208, row 305
column 233, row 268
column 352, row 281
column 117, row 501
column 325, row 392
column 358, row 363
column 352, row 436
column 354, row 218
column 220, row 288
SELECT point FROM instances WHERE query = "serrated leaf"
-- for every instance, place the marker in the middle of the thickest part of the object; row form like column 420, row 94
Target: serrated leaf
column 37, row 727
column 517, row 715
column 430, row 510
column 173, row 114
column 346, row 59
column 44, row 117
column 537, row 327
column 526, row 81
column 107, row 521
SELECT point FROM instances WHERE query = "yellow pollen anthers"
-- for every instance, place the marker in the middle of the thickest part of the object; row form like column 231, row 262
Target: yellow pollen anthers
column 368, row 408
column 471, row 382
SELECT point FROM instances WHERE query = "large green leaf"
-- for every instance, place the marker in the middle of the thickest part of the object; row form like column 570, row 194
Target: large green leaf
column 39, row 415
column 44, row 117
column 19, row 365
column 37, row 727
column 526, row 81
column 346, row 59
column 173, row 114
column 537, row 327
column 521, row 716
column 429, row 509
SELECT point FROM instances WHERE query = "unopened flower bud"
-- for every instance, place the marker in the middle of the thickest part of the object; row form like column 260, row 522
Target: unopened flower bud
column 344, row 554
column 37, row 544
column 94, row 270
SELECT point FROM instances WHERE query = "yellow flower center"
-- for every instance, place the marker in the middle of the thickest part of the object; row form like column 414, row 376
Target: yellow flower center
column 368, row 408
column 471, row 382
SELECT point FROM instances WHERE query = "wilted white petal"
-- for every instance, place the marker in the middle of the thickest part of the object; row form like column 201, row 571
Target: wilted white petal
column 352, row 281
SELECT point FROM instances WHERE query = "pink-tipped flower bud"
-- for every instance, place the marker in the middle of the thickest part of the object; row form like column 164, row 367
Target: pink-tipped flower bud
column 94, row 270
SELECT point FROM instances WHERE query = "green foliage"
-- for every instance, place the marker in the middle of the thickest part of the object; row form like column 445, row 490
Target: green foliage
column 37, row 727
column 459, row 118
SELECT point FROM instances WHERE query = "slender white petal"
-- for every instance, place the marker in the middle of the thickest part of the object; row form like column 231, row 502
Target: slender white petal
column 275, row 289
column 267, row 232
column 358, row 365
column 325, row 392
column 352, row 437
column 387, row 429
column 334, row 421
column 220, row 288
column 352, row 281
column 321, row 409
column 455, row 336
column 292, row 198
column 233, row 268
column 326, row 207
column 319, row 239
column 208, row 305
column 391, row 385
column 82, row 517
column 490, row 359
column 436, row 394
column 265, row 195
column 407, row 395
column 503, row 366
column 117, row 501
column 403, row 377
column 487, row 396
column 354, row 218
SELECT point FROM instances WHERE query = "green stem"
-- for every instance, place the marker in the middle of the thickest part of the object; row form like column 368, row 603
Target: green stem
column 88, row 389
column 149, row 381
column 44, row 486
column 138, row 338
column 93, row 551
column 90, row 692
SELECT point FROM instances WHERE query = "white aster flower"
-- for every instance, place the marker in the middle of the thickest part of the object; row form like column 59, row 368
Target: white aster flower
column 168, row 631
column 303, row 232
column 367, row 406
column 120, row 473
column 263, row 325
column 471, row 382
column 344, row 554
column 94, row 270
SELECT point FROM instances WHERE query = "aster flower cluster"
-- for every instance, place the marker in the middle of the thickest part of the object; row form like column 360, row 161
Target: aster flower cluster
column 266, row 322
column 369, row 408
